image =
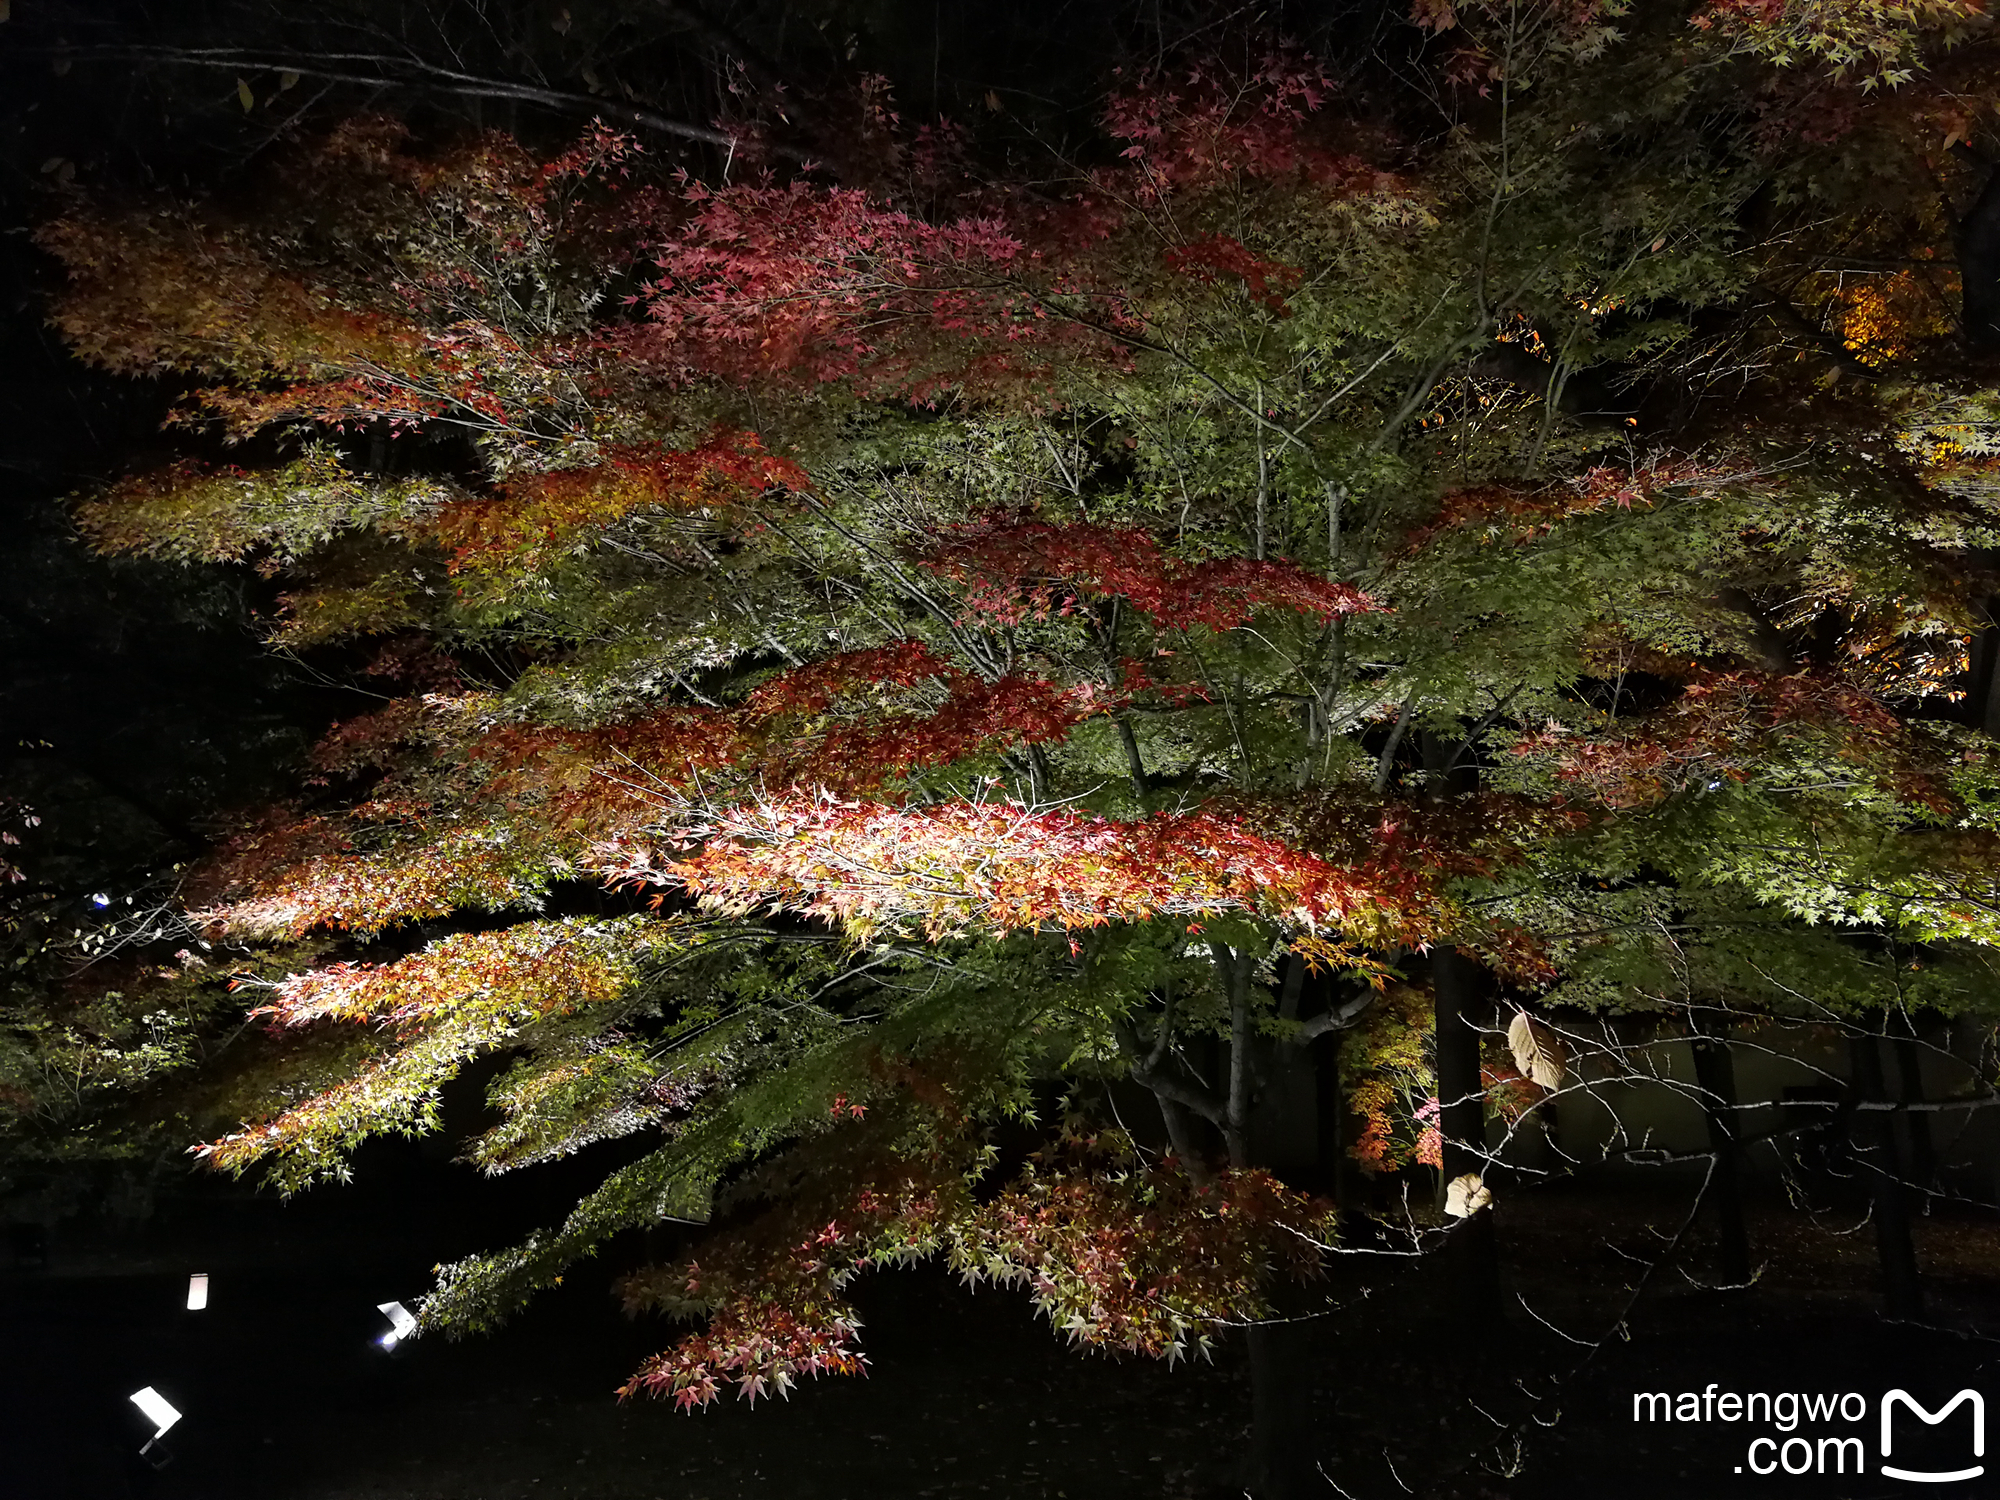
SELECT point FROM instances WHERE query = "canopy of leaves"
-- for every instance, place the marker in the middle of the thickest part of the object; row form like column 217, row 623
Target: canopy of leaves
column 979, row 623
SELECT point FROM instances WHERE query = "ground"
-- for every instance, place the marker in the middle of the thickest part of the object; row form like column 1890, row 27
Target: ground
column 287, row 1396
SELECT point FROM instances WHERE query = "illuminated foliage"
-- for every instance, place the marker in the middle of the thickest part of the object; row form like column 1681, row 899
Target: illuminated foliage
column 997, row 633
column 1391, row 1079
column 1879, row 39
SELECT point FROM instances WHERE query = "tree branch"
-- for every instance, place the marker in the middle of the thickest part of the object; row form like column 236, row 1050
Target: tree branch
column 1234, row 966
column 1337, row 1018
column 376, row 70
column 1164, row 1085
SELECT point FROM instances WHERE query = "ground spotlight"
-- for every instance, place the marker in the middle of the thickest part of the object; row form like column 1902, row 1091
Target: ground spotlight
column 197, row 1292
column 402, row 1323
column 161, row 1413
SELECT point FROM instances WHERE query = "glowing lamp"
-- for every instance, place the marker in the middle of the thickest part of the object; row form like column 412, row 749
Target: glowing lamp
column 402, row 1323
column 159, row 1411
column 197, row 1293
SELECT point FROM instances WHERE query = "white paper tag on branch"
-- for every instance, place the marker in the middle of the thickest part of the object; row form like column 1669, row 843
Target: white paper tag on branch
column 1538, row 1051
column 1465, row 1195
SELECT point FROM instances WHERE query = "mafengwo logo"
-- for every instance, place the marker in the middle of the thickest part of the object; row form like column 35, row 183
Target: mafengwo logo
column 1912, row 1442
column 1964, row 1398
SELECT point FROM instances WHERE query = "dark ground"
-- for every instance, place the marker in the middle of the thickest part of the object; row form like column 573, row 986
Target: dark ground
column 287, row 1398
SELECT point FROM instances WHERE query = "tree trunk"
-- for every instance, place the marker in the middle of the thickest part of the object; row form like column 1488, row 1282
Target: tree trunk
column 1902, row 1290
column 1334, row 1178
column 1979, row 266
column 1715, row 1073
column 1473, row 1255
column 1181, row 1137
column 1284, row 1115
column 1284, row 1123
column 1982, row 701
column 1281, row 1456
column 1921, row 1150
column 1235, row 970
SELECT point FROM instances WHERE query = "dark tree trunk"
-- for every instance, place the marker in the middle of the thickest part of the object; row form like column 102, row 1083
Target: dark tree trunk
column 1982, row 701
column 1181, row 1136
column 1281, row 1449
column 1921, row 1151
column 1334, row 1177
column 1280, row 1454
column 1473, row 1255
column 1715, row 1073
column 1284, row 1123
column 1902, row 1290
column 1979, row 266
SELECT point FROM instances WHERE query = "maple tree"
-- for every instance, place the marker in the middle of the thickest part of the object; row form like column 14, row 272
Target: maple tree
column 880, row 658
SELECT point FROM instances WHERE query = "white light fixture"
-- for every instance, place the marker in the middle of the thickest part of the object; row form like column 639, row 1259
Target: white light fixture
column 159, row 1411
column 197, row 1292
column 402, row 1323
